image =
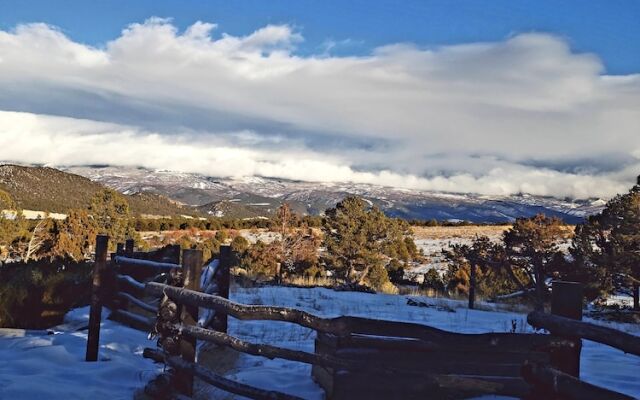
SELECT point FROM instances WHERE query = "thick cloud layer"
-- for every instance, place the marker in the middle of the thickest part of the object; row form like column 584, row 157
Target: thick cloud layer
column 522, row 115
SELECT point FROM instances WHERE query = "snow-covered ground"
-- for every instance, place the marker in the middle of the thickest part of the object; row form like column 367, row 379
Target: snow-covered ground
column 601, row 365
column 36, row 364
column 50, row 364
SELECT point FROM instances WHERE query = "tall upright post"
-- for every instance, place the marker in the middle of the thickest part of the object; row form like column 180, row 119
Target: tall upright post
column 95, row 313
column 472, row 284
column 128, row 247
column 566, row 301
column 191, row 268
column 223, row 280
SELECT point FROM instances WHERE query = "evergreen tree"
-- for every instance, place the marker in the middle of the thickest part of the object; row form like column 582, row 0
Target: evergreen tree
column 606, row 248
column 110, row 210
column 358, row 237
column 75, row 236
column 531, row 246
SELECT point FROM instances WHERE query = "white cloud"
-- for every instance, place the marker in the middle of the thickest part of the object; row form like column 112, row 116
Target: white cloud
column 493, row 118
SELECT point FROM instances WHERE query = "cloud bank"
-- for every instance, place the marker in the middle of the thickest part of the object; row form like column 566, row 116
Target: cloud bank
column 522, row 115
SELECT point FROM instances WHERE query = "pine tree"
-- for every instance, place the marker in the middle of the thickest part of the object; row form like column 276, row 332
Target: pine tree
column 531, row 245
column 358, row 237
column 110, row 210
column 607, row 247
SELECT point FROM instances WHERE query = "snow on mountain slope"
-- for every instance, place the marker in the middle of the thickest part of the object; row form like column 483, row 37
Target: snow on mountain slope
column 314, row 198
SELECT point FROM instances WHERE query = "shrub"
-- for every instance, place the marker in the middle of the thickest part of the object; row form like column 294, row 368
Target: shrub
column 378, row 277
column 37, row 294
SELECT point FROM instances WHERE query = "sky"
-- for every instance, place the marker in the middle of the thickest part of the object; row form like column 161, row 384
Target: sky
column 496, row 98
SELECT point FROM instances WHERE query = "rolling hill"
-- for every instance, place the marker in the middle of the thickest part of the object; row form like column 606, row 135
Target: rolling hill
column 52, row 190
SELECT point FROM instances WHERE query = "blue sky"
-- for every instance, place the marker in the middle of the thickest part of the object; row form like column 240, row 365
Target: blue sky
column 611, row 29
column 490, row 97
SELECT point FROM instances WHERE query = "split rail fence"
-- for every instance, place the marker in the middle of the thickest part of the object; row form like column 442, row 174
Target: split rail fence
column 354, row 357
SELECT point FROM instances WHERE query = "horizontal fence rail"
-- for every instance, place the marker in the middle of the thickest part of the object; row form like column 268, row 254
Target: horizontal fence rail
column 130, row 282
column 436, row 381
column 341, row 326
column 569, row 327
column 217, row 380
column 135, row 262
column 137, row 302
column 557, row 382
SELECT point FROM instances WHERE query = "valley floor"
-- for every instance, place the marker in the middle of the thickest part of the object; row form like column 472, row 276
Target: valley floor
column 35, row 364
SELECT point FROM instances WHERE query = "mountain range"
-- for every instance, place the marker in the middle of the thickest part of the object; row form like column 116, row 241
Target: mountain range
column 156, row 192
column 258, row 196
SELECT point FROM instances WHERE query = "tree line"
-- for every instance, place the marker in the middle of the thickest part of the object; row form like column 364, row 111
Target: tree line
column 603, row 253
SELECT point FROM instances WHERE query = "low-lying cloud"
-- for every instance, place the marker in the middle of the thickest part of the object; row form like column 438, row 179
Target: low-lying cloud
column 522, row 115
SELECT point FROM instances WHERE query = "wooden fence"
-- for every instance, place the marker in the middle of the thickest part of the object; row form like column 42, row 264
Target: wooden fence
column 359, row 357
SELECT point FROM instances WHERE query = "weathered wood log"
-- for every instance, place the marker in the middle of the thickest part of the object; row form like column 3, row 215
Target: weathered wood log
column 568, row 327
column 138, row 303
column 513, row 295
column 222, row 278
column 557, row 382
column 160, row 388
column 340, row 326
column 122, row 260
column 125, row 282
column 132, row 320
column 191, row 266
column 95, row 312
column 524, row 342
column 566, row 301
column 347, row 385
column 370, row 365
column 129, row 246
column 472, row 285
column 271, row 352
column 217, row 380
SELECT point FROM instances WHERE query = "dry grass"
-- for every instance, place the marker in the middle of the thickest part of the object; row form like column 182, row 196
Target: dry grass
column 467, row 232
column 311, row 281
column 447, row 232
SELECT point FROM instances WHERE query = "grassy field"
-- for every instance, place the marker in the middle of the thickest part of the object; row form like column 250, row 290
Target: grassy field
column 458, row 232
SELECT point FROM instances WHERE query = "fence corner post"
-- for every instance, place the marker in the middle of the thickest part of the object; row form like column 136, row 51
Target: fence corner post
column 192, row 267
column 97, row 291
column 566, row 301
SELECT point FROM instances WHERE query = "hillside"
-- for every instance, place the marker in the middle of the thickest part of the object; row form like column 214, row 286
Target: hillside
column 52, row 190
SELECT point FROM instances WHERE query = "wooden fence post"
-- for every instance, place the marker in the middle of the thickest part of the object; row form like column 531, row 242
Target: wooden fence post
column 566, row 301
column 223, row 280
column 191, row 268
column 95, row 313
column 472, row 285
column 129, row 246
column 175, row 250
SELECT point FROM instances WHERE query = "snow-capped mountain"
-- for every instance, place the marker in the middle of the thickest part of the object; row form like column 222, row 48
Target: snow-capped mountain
column 262, row 195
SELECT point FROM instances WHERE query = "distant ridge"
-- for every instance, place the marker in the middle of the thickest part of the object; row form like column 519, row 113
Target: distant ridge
column 259, row 196
column 49, row 189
